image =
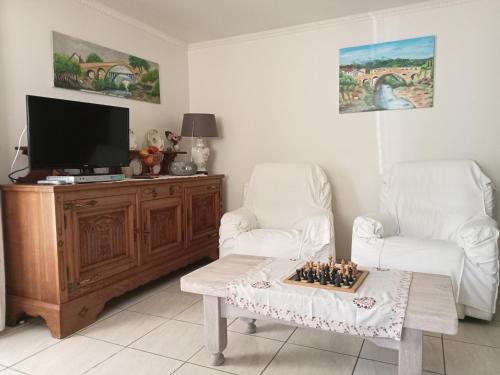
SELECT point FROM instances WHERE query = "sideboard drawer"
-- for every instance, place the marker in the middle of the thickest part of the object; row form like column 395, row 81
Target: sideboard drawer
column 161, row 191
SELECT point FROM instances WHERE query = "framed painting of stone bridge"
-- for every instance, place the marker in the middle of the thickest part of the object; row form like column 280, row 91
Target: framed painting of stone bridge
column 386, row 76
column 85, row 66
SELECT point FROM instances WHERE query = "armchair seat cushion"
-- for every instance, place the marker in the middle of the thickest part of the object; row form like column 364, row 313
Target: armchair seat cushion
column 417, row 255
column 279, row 243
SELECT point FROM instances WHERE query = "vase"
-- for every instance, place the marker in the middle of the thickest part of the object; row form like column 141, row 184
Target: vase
column 200, row 153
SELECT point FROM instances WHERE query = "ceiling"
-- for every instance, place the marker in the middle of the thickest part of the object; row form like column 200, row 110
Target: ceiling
column 200, row 20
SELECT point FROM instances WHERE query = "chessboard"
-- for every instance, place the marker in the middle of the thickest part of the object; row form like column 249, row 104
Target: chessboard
column 342, row 277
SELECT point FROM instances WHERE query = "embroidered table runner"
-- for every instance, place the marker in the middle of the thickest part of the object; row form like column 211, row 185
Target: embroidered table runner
column 377, row 309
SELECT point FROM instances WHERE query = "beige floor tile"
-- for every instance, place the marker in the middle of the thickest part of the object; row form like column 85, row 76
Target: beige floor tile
column 327, row 341
column 190, row 369
column 466, row 359
column 432, row 354
column 74, row 355
column 377, row 353
column 173, row 339
column 294, row 359
column 367, row 367
column 245, row 354
column 19, row 343
column 265, row 328
column 136, row 362
column 165, row 304
column 123, row 328
column 194, row 314
column 475, row 331
column 432, row 334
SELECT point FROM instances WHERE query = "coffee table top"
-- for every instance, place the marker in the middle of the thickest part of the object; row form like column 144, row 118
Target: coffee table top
column 431, row 304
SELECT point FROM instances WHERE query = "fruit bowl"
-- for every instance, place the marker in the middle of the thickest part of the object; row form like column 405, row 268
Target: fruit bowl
column 150, row 157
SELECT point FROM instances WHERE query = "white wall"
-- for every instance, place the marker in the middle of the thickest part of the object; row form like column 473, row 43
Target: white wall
column 276, row 98
column 26, row 65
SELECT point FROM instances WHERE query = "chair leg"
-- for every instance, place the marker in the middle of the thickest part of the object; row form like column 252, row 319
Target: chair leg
column 251, row 327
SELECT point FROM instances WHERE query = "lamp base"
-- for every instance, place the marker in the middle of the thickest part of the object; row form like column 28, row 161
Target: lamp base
column 200, row 153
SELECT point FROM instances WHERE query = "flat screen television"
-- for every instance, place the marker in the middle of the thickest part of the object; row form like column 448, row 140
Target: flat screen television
column 70, row 134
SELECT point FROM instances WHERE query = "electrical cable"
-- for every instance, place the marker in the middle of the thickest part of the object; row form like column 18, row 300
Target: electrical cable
column 12, row 172
column 13, row 179
column 18, row 149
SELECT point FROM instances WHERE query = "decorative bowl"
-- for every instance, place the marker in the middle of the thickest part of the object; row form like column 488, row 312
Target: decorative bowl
column 151, row 160
column 183, row 168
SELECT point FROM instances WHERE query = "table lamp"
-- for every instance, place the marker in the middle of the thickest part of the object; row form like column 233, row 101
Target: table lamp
column 199, row 125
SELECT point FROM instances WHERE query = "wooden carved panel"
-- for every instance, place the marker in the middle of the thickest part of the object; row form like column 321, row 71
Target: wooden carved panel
column 164, row 224
column 204, row 218
column 102, row 237
column 162, row 228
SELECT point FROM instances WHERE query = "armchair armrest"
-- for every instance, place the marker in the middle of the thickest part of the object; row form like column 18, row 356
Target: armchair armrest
column 476, row 236
column 235, row 222
column 376, row 225
column 317, row 229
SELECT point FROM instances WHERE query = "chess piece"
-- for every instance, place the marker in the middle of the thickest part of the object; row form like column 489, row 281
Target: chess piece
column 338, row 279
column 350, row 279
column 297, row 275
column 322, row 279
column 310, row 276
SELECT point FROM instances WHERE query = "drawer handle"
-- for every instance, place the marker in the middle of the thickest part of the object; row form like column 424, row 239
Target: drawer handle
column 211, row 187
column 151, row 191
column 91, row 203
column 71, row 205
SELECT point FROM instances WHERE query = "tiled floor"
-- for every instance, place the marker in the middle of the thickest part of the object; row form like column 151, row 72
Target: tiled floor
column 159, row 330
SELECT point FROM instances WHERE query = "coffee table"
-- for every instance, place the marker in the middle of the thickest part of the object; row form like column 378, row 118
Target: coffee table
column 431, row 307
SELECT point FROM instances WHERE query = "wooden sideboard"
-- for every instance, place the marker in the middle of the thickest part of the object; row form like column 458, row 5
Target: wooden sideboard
column 71, row 248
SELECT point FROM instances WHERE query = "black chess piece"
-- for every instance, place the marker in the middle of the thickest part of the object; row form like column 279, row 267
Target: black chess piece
column 350, row 279
column 346, row 281
column 327, row 276
column 338, row 279
column 297, row 275
column 310, row 277
column 303, row 275
column 322, row 279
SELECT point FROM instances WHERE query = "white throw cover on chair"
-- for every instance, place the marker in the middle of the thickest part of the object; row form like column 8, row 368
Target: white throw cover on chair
column 286, row 213
column 436, row 217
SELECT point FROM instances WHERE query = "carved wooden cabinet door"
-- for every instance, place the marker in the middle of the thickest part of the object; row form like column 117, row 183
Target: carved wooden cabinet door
column 102, row 232
column 203, row 212
column 161, row 232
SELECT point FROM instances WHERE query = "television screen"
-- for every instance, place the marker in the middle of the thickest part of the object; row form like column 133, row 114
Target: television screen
column 69, row 134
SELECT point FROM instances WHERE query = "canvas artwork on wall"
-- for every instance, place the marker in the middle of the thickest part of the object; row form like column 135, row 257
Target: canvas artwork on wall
column 85, row 66
column 385, row 76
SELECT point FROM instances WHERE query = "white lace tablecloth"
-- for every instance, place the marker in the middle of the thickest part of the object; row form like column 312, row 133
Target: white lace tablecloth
column 377, row 309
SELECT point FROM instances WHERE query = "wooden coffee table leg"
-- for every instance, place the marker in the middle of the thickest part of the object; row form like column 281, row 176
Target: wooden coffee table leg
column 410, row 352
column 215, row 329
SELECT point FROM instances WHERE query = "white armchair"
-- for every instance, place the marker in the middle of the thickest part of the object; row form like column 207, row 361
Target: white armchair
column 436, row 218
column 286, row 213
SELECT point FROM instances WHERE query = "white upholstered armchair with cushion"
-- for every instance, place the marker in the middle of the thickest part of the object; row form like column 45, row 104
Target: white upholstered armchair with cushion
column 287, row 212
column 436, row 217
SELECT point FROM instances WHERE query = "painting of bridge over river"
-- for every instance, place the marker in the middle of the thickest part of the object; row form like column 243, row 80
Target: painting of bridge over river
column 84, row 66
column 385, row 76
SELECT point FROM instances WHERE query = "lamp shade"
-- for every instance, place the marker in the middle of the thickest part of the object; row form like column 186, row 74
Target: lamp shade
column 199, row 125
